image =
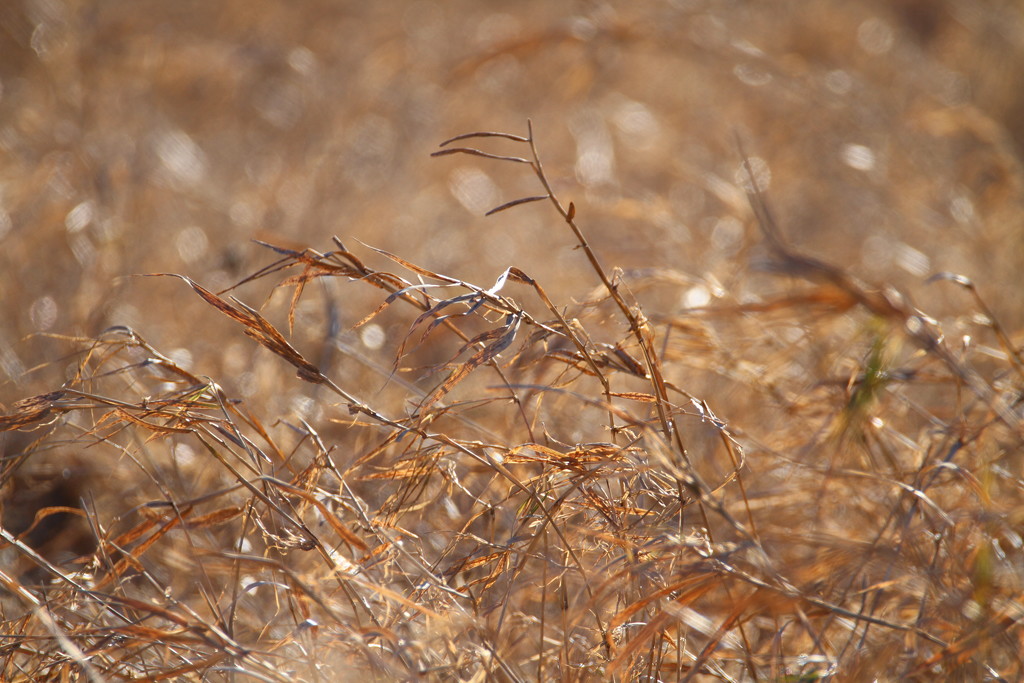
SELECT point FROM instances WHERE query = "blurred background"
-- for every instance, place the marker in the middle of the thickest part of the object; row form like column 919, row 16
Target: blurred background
column 144, row 136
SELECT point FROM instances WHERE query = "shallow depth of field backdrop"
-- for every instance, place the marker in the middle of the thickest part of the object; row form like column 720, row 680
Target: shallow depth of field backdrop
column 146, row 136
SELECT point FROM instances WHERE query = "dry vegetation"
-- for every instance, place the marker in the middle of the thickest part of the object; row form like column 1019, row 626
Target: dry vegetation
column 735, row 395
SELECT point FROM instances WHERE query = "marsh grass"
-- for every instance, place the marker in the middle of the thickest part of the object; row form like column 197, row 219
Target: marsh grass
column 519, row 488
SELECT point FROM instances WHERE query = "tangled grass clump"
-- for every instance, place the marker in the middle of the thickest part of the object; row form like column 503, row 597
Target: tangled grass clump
column 807, row 482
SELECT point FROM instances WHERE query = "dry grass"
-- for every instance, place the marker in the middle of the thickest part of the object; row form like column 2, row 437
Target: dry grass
column 714, row 418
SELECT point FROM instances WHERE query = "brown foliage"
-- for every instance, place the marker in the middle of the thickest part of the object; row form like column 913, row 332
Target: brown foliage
column 711, row 421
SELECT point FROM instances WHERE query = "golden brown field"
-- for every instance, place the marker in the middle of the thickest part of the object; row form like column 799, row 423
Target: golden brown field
column 735, row 396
